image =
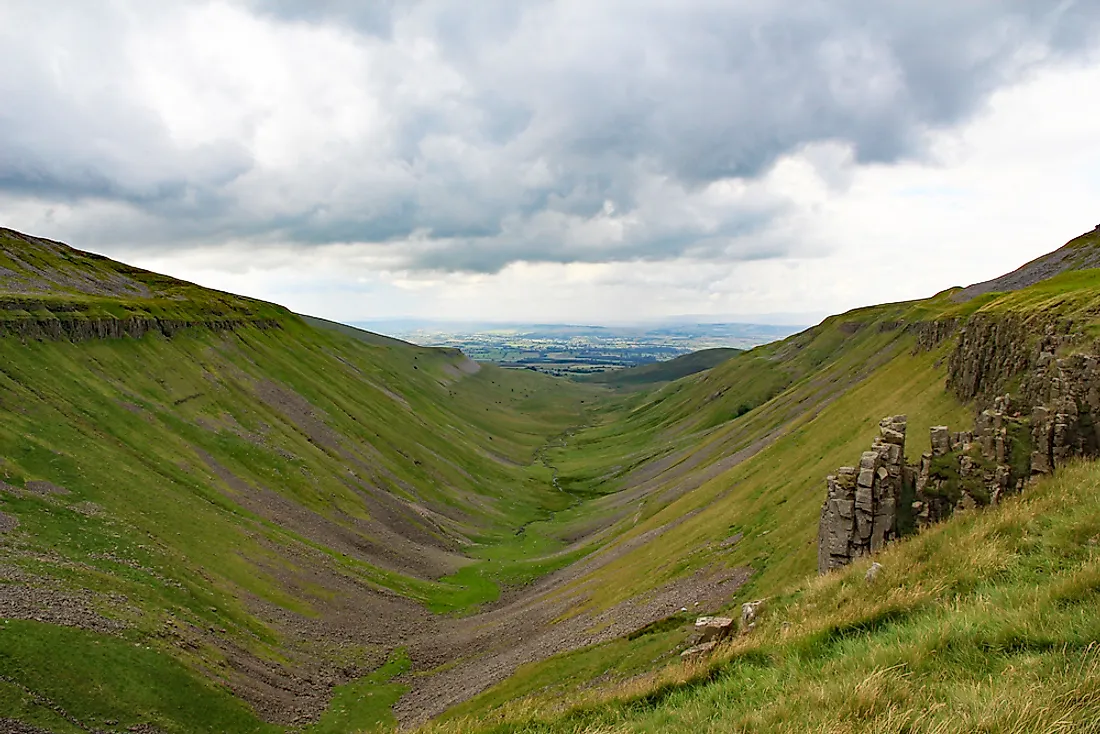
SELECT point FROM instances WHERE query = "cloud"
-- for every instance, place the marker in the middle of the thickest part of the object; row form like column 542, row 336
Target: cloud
column 467, row 138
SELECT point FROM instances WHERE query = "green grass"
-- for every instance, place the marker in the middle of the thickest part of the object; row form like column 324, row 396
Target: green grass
column 125, row 423
column 989, row 622
column 98, row 678
column 173, row 440
column 364, row 704
column 647, row 375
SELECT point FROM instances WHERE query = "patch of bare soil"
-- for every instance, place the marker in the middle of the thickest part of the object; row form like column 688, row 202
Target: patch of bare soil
column 29, row 597
column 11, row 726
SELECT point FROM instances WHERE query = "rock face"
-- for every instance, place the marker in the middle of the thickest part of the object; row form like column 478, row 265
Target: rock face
column 860, row 514
column 110, row 328
column 1052, row 416
column 971, row 468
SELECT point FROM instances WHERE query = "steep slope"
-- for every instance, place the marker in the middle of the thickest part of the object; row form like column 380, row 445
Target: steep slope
column 1080, row 253
column 658, row 372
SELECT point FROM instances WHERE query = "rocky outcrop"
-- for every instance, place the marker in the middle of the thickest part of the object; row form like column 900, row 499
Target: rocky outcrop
column 991, row 351
column 971, row 468
column 860, row 514
column 930, row 334
column 84, row 329
column 1053, row 420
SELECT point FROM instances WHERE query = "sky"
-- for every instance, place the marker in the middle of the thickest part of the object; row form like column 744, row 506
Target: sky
column 592, row 161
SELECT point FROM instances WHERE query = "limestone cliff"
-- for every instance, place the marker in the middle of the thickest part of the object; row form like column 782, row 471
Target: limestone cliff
column 1049, row 371
column 860, row 514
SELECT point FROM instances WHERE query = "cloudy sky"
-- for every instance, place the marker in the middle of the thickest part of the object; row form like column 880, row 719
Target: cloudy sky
column 561, row 160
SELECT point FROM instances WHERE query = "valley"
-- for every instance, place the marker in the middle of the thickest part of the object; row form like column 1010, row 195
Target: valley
column 216, row 515
column 582, row 351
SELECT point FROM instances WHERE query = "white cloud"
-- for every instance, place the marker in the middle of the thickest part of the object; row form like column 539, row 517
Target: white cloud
column 558, row 160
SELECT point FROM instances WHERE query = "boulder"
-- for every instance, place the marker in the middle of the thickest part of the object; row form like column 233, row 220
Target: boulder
column 713, row 629
column 749, row 611
column 697, row 652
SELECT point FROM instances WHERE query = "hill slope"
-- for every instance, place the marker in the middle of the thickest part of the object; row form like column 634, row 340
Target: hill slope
column 667, row 371
column 988, row 622
column 233, row 491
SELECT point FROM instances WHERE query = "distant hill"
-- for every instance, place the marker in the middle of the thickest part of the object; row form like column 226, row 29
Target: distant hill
column 651, row 374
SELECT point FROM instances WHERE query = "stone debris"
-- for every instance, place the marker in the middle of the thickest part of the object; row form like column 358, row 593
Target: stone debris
column 698, row 651
column 713, row 629
column 37, row 486
column 873, row 572
column 8, row 523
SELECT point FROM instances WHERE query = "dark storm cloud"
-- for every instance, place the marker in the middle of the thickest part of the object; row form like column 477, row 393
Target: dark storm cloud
column 515, row 131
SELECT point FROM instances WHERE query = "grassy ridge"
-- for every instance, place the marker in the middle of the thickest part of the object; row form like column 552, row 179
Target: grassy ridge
column 43, row 281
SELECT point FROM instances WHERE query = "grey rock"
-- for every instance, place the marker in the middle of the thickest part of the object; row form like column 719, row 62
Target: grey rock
column 698, row 652
column 713, row 629
column 749, row 612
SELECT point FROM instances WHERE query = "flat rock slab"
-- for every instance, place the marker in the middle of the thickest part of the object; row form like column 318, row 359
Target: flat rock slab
column 699, row 651
column 713, row 629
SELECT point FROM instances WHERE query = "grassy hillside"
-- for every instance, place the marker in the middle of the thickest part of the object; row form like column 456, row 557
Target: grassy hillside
column 989, row 622
column 726, row 469
column 209, row 475
column 202, row 511
column 658, row 372
column 47, row 284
